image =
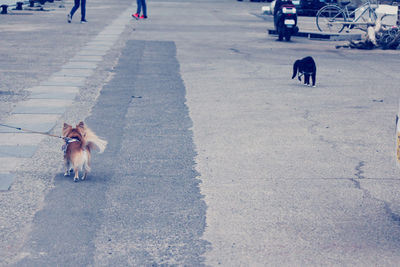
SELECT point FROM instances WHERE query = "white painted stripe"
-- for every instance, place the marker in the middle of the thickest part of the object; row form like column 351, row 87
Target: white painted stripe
column 57, row 91
column 20, row 139
column 8, row 165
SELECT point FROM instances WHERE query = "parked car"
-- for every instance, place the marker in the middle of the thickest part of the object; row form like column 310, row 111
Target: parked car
column 310, row 7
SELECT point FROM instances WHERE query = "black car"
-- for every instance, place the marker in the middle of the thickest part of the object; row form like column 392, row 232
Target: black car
column 310, row 7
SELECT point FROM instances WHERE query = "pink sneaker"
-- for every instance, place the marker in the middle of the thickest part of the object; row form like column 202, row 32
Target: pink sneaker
column 136, row 16
column 143, row 17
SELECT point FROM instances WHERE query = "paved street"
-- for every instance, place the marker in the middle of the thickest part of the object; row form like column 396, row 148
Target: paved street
column 215, row 156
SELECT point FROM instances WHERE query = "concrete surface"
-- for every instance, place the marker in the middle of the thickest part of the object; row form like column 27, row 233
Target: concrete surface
column 285, row 175
column 30, row 58
column 286, row 170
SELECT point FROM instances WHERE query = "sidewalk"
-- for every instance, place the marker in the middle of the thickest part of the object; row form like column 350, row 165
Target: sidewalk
column 46, row 64
column 35, row 44
column 40, row 76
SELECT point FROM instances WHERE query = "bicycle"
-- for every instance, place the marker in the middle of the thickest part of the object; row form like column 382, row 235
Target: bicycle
column 333, row 18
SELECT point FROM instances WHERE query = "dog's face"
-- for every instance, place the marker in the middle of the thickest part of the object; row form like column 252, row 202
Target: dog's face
column 78, row 132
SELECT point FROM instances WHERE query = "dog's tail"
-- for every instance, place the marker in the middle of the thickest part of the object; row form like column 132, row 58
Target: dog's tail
column 95, row 142
column 295, row 67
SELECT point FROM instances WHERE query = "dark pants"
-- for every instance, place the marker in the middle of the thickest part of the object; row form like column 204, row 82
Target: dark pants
column 83, row 8
column 141, row 5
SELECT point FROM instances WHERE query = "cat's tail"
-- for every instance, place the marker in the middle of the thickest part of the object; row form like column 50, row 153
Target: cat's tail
column 295, row 67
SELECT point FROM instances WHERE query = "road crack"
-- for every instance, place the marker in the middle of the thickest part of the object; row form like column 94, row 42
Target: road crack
column 356, row 181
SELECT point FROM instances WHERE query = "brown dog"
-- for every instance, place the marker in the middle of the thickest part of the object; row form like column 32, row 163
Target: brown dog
column 78, row 145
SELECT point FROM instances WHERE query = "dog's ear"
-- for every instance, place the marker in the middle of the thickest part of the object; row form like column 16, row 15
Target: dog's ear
column 81, row 125
column 82, row 128
column 66, row 128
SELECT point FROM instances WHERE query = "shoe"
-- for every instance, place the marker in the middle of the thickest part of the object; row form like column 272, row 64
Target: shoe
column 69, row 18
column 136, row 16
column 83, row 21
column 143, row 17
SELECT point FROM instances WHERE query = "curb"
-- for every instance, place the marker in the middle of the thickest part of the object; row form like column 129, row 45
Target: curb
column 323, row 36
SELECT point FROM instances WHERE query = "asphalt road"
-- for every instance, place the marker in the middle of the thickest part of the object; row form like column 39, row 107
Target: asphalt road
column 141, row 205
column 216, row 157
column 291, row 175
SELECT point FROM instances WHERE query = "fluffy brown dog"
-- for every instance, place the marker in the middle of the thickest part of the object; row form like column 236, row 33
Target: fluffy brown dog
column 79, row 143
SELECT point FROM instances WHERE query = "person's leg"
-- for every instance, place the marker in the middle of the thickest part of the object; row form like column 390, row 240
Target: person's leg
column 83, row 10
column 144, row 8
column 76, row 6
column 139, row 6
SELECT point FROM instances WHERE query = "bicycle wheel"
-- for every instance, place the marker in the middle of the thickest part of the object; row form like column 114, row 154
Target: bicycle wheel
column 330, row 18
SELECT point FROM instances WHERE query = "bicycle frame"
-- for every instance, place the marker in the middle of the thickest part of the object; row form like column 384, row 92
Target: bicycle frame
column 366, row 7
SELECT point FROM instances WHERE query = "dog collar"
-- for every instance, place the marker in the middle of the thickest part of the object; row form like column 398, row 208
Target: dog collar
column 67, row 142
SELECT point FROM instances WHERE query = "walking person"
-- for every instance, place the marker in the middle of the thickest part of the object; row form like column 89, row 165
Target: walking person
column 75, row 7
column 141, row 6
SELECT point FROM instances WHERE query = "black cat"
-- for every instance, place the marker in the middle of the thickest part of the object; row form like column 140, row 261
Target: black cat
column 305, row 66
